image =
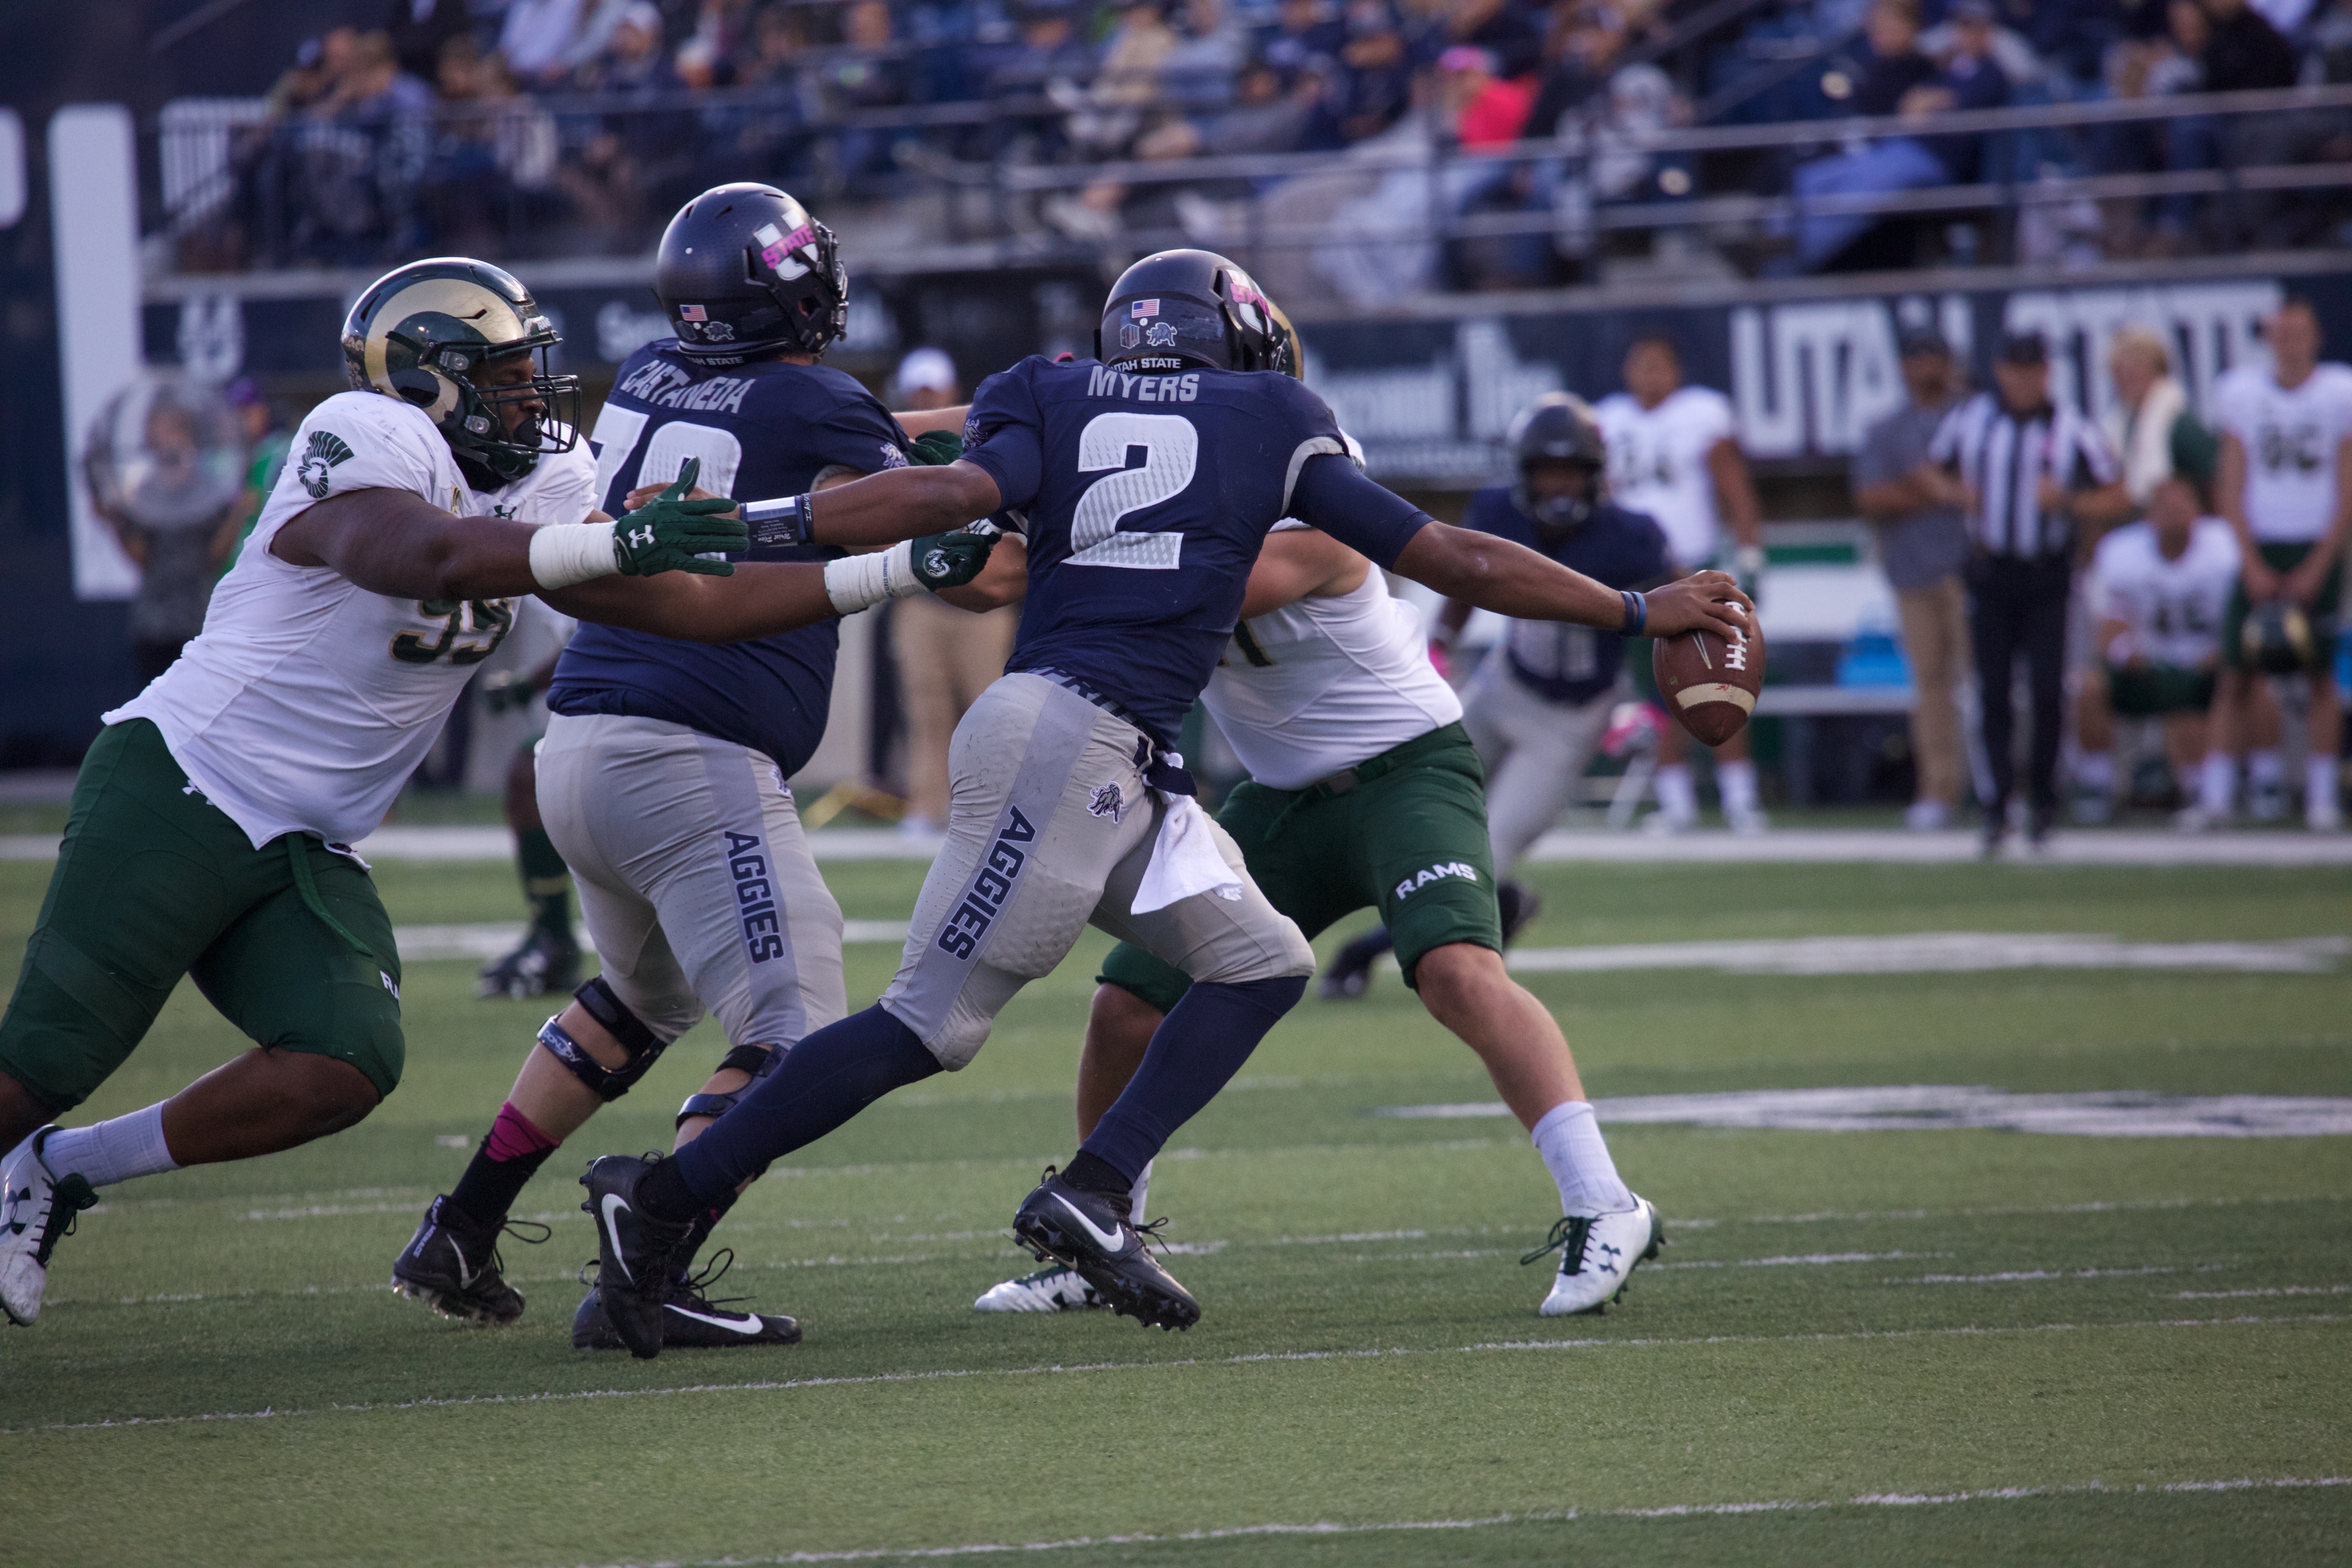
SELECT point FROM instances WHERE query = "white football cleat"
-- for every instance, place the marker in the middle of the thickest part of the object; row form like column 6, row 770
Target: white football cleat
column 1598, row 1253
column 1055, row 1288
column 1747, row 821
column 36, row 1209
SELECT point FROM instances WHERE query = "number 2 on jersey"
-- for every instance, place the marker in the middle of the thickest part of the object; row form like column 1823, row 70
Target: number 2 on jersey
column 1172, row 454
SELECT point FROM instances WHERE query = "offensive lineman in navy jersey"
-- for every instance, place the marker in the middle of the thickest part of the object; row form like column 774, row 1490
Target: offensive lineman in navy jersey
column 1067, row 807
column 661, row 776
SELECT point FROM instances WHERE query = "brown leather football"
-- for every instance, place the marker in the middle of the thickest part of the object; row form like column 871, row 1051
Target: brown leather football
column 1709, row 682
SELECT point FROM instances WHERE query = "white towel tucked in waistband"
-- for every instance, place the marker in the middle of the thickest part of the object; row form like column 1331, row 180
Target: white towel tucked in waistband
column 1184, row 860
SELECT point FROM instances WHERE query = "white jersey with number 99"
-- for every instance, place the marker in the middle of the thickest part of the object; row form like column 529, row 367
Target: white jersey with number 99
column 308, row 701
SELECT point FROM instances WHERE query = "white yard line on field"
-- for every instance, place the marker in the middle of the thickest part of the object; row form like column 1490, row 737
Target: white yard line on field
column 1560, row 1516
column 1255, row 1359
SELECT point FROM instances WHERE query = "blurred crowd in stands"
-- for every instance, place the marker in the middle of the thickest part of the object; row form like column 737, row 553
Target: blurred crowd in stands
column 534, row 127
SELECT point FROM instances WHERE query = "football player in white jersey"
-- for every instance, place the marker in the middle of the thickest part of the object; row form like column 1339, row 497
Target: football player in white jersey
column 2158, row 590
column 211, row 829
column 1365, row 790
column 1674, row 455
column 2285, row 487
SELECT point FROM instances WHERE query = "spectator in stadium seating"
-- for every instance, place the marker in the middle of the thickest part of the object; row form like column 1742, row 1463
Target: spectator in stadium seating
column 1508, row 30
column 2151, row 426
column 1106, row 113
column 1486, row 109
column 1301, row 34
column 2158, row 591
column 1598, row 103
column 356, row 192
column 634, row 145
column 1377, row 85
column 1922, row 546
column 864, row 77
column 723, row 32
column 946, row 656
column 421, row 30
column 1892, row 64
column 2234, row 49
column 1204, row 70
column 1968, row 79
column 537, row 38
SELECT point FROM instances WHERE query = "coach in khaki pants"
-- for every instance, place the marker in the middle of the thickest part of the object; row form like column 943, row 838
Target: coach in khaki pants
column 946, row 656
column 1922, row 546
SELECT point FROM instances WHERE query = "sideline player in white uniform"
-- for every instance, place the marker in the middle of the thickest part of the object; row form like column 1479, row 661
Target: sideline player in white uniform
column 1364, row 790
column 211, row 825
column 2285, row 486
column 2158, row 590
column 1674, row 456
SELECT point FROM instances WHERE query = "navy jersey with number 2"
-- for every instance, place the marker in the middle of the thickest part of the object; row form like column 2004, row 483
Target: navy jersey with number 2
column 1144, row 497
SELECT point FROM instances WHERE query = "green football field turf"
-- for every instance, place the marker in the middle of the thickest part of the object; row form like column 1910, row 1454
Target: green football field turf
column 1913, row 1347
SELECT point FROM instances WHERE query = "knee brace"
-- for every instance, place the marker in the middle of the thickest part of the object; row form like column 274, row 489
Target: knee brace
column 643, row 1047
column 753, row 1059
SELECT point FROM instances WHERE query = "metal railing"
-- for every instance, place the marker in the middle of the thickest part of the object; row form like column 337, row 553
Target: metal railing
column 522, row 174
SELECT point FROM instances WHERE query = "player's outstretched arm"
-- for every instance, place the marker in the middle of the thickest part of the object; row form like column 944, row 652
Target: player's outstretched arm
column 397, row 543
column 882, row 508
column 1512, row 580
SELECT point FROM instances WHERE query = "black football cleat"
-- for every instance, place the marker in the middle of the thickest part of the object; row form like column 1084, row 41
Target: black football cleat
column 545, row 963
column 452, row 1264
column 1516, row 904
column 690, row 1320
column 633, row 1251
column 1090, row 1233
column 1350, row 971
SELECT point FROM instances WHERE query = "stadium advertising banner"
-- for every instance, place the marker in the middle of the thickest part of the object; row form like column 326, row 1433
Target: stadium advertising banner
column 1429, row 398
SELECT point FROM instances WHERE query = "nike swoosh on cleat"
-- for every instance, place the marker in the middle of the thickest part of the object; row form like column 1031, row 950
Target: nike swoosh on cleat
column 620, row 1256
column 747, row 1324
column 1107, row 1240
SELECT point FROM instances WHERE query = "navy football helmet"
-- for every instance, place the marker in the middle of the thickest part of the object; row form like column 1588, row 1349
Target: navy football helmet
column 1558, row 427
column 744, row 272
column 1193, row 309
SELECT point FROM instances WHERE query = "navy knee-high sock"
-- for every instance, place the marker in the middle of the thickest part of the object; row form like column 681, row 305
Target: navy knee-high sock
column 821, row 1082
column 1194, row 1053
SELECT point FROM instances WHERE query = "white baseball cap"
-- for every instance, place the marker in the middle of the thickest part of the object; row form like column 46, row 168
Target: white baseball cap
column 927, row 369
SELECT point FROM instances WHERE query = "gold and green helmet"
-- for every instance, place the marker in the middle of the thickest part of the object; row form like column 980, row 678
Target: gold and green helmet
column 423, row 333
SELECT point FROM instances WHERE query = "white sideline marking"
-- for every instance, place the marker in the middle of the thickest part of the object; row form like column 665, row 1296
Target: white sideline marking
column 1782, row 846
column 1560, row 1516
column 948, row 1374
column 1939, row 952
column 422, row 944
column 2268, row 1291
column 2102, row 1113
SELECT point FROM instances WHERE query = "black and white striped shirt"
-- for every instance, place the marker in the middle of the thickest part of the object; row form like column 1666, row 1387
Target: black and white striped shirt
column 2004, row 456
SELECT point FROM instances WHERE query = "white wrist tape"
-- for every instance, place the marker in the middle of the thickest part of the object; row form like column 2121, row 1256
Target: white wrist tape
column 563, row 553
column 857, row 582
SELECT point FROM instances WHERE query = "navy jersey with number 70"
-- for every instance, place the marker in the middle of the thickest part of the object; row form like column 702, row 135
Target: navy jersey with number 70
column 1144, row 498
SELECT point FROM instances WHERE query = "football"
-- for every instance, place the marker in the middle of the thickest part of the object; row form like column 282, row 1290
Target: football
column 1709, row 682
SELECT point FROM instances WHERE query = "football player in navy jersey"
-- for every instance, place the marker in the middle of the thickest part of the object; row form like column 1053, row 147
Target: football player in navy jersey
column 661, row 778
column 1145, row 482
column 1541, row 700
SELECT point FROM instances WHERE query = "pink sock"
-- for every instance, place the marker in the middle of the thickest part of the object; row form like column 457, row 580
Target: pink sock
column 512, row 1135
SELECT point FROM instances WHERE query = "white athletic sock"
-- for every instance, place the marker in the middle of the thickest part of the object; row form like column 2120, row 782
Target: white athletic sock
column 2266, row 768
column 1136, row 1193
column 1677, row 796
column 110, row 1151
column 2217, row 784
column 1573, row 1151
column 2319, row 785
column 2095, row 772
column 1736, row 781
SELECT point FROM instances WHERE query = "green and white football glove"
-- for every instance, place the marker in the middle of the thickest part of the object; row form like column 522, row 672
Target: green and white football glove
column 671, row 533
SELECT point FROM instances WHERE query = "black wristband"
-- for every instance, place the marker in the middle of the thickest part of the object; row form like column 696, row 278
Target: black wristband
column 1637, row 613
column 774, row 522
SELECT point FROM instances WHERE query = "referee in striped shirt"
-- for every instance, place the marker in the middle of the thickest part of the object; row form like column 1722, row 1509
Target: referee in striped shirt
column 2036, row 483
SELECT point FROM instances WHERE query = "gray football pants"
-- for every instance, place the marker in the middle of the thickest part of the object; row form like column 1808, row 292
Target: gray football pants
column 695, row 879
column 1535, row 754
column 1050, row 827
